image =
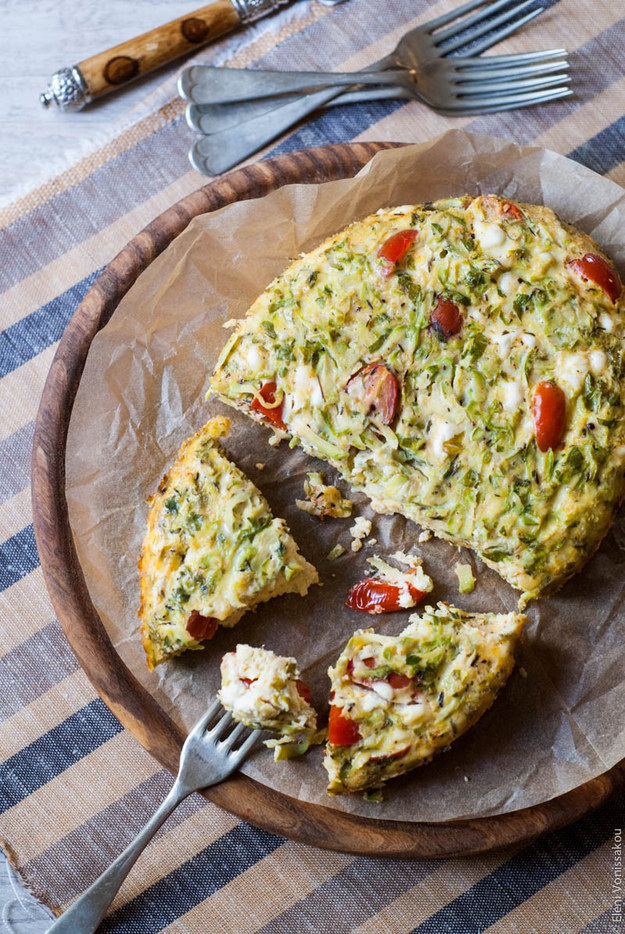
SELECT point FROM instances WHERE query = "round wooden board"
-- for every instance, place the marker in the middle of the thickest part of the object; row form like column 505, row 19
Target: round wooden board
column 129, row 701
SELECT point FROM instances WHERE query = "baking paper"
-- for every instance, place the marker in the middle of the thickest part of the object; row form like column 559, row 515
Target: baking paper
column 559, row 722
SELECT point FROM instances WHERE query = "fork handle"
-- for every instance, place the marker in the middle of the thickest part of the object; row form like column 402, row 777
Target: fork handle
column 88, row 910
column 203, row 84
column 221, row 151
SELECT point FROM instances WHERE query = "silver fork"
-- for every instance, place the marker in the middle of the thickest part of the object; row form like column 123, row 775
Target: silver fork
column 205, row 760
column 424, row 43
column 458, row 84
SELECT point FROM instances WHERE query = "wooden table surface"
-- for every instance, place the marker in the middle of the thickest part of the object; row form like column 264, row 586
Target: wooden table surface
column 37, row 37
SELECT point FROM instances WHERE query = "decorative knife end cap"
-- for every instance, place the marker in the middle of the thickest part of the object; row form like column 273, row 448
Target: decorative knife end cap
column 250, row 10
column 67, row 89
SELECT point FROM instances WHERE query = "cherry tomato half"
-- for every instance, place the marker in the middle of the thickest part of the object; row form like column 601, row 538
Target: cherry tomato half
column 376, row 386
column 303, row 690
column 549, row 414
column 446, row 319
column 341, row 730
column 596, row 269
column 201, row 627
column 375, row 596
column 272, row 413
column 395, row 248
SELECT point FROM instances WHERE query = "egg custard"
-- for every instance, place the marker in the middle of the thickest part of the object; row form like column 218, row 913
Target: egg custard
column 212, row 550
column 462, row 363
column 397, row 700
column 264, row 691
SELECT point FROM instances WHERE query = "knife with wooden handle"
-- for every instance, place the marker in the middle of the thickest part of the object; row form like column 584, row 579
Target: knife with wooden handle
column 74, row 87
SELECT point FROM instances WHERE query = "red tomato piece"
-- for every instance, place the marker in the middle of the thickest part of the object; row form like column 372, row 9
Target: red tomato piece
column 596, row 269
column 201, row 627
column 398, row 681
column 549, row 414
column 374, row 596
column 341, row 730
column 446, row 319
column 271, row 412
column 248, row 681
column 395, row 248
column 497, row 207
column 511, row 210
column 303, row 690
column 376, row 386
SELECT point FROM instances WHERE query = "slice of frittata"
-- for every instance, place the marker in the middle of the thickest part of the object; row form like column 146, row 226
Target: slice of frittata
column 212, row 550
column 264, row 691
column 397, row 700
column 461, row 362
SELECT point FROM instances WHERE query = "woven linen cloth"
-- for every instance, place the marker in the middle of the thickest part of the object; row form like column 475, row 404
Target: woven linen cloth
column 74, row 785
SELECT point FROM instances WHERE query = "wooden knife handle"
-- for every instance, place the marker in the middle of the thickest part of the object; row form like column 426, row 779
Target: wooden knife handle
column 117, row 66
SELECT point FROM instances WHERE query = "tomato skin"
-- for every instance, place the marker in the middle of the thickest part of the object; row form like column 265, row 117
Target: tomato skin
column 398, row 681
column 511, row 210
column 248, row 681
column 273, row 415
column 395, row 248
column 496, row 207
column 303, row 690
column 596, row 269
column 446, row 319
column 376, row 385
column 375, row 596
column 341, row 730
column 548, row 414
column 201, row 627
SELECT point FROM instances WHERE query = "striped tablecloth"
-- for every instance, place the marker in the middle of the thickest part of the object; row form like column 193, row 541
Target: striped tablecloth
column 75, row 786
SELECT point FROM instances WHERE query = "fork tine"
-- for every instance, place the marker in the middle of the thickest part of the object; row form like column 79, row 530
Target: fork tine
column 497, row 74
column 509, row 71
column 203, row 722
column 496, row 61
column 496, row 37
column 502, row 20
column 484, row 89
column 453, row 14
column 472, row 110
column 243, row 751
column 230, row 740
column 223, row 724
column 457, row 28
column 477, row 105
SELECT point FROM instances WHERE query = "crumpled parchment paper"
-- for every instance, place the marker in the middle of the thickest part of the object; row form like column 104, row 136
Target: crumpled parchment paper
column 559, row 722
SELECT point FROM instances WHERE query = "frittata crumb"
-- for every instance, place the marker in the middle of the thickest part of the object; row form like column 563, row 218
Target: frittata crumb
column 466, row 580
column 322, row 500
column 336, row 552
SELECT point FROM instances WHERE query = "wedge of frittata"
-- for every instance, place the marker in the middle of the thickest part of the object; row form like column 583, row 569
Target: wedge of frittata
column 397, row 700
column 264, row 691
column 462, row 362
column 212, row 550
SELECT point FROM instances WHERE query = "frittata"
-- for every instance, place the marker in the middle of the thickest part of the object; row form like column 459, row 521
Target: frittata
column 397, row 700
column 264, row 691
column 462, row 363
column 212, row 550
